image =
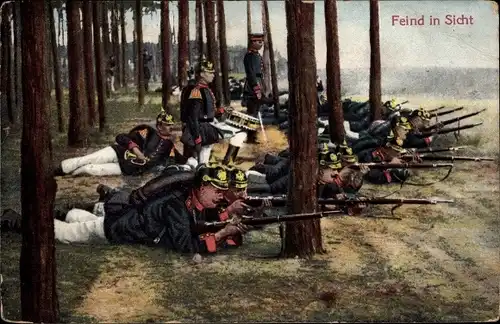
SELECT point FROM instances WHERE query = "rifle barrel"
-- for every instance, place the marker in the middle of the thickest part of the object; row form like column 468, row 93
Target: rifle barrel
column 454, row 120
column 384, row 165
column 432, row 157
column 446, row 112
column 448, row 149
column 448, row 130
column 435, row 109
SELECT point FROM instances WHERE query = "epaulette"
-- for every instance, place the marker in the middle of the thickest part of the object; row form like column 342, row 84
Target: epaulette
column 195, row 94
column 143, row 132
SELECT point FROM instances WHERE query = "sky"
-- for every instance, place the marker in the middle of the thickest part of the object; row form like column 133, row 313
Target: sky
column 467, row 46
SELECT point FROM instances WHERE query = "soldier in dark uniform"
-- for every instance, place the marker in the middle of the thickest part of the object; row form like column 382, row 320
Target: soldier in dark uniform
column 110, row 71
column 169, row 221
column 143, row 148
column 252, row 95
column 390, row 152
column 198, row 110
column 147, row 71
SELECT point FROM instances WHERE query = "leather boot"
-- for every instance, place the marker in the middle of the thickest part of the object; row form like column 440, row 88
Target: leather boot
column 231, row 153
column 58, row 170
column 104, row 191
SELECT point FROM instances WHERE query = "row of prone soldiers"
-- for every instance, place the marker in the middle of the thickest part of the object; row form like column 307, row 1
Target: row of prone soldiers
column 168, row 209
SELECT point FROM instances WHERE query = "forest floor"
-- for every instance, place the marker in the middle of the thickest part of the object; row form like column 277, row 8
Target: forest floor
column 439, row 263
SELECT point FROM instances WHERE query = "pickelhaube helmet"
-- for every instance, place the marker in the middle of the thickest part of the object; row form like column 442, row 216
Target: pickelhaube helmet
column 213, row 173
column 329, row 159
column 205, row 66
column 347, row 154
column 163, row 117
column 399, row 121
column 420, row 112
column 237, row 177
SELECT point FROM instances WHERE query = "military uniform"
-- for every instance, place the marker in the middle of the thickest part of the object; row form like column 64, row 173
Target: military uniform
column 198, row 108
column 168, row 220
column 252, row 90
column 118, row 159
column 392, row 149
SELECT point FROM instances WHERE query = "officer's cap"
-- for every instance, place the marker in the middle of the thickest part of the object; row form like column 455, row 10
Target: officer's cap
column 256, row 37
column 346, row 153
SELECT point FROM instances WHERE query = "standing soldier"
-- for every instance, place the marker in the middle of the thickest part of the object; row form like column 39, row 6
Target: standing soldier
column 198, row 110
column 252, row 91
column 147, row 72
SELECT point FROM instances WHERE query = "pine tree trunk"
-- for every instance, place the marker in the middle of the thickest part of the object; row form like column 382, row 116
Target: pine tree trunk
column 182, row 42
column 123, row 56
column 302, row 238
column 265, row 56
column 18, row 62
column 165, row 56
column 375, row 68
column 211, row 46
column 39, row 301
column 115, row 42
column 140, row 50
column 57, row 71
column 99, row 64
column 224, row 56
column 274, row 76
column 105, row 42
column 336, row 120
column 89, row 63
column 6, row 84
column 199, row 30
column 77, row 130
column 249, row 17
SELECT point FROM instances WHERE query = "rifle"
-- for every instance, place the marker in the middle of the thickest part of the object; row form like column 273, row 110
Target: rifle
column 448, row 130
column 448, row 149
column 446, row 112
column 432, row 157
column 435, row 109
column 282, row 200
column 453, row 120
column 386, row 165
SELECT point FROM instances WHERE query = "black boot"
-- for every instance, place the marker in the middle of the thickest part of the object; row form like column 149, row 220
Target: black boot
column 104, row 191
column 60, row 215
column 10, row 221
column 58, row 170
column 231, row 153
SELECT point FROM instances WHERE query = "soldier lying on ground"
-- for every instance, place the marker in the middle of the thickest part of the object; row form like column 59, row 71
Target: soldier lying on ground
column 134, row 153
column 390, row 152
column 331, row 179
column 168, row 221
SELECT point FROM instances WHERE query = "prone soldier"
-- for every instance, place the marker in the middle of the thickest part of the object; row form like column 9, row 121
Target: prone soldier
column 143, row 148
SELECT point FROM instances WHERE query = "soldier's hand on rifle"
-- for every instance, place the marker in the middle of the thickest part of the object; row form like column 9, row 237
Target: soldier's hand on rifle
column 237, row 208
column 138, row 153
column 364, row 169
column 396, row 161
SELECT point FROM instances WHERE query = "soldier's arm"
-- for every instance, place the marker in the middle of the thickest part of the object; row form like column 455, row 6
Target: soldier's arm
column 132, row 139
column 251, row 61
column 195, row 106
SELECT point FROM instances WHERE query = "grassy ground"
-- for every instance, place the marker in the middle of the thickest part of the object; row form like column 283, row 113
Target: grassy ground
column 440, row 263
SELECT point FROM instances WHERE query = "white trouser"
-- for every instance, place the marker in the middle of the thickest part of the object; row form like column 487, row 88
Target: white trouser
column 100, row 163
column 80, row 226
column 205, row 153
